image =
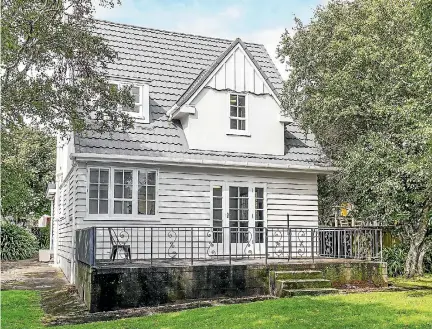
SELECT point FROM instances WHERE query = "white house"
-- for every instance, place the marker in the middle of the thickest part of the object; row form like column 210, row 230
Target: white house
column 211, row 146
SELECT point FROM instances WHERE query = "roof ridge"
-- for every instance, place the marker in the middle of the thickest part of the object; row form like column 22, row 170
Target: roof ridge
column 198, row 36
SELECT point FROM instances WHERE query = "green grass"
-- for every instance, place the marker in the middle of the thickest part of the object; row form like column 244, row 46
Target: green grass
column 424, row 282
column 402, row 309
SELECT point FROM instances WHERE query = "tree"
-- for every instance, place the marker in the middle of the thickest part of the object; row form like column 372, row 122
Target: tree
column 54, row 68
column 28, row 165
column 361, row 80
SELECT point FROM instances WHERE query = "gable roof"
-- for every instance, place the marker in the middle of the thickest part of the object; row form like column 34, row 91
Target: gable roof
column 205, row 74
column 174, row 64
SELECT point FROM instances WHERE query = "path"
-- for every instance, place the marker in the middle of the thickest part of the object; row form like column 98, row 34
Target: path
column 58, row 298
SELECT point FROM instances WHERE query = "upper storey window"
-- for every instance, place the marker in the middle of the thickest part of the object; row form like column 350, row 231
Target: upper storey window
column 237, row 112
column 140, row 93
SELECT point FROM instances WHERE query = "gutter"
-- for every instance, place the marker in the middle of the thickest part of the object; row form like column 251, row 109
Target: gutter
column 182, row 162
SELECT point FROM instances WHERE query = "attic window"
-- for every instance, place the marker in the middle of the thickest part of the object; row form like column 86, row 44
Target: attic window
column 140, row 94
column 237, row 112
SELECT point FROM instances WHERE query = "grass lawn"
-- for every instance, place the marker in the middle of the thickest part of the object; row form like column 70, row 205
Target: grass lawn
column 402, row 309
column 424, row 282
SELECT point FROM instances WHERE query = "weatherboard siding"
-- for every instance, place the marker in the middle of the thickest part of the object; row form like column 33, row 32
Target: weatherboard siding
column 184, row 198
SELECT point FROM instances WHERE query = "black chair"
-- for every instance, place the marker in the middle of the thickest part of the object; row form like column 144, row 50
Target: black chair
column 117, row 244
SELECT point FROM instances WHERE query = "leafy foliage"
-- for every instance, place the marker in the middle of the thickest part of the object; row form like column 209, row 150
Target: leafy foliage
column 55, row 68
column 42, row 235
column 28, row 165
column 395, row 258
column 17, row 242
column 361, row 80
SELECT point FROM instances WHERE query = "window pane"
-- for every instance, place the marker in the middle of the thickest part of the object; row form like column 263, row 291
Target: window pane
column 241, row 100
column 259, row 192
column 142, row 207
column 103, row 191
column 233, row 203
column 217, row 191
column 94, row 175
column 243, row 192
column 233, row 191
column 241, row 125
column 259, row 217
column 259, row 204
column 233, row 99
column 104, row 176
column 233, row 124
column 118, row 207
column 151, row 207
column 118, row 191
column 217, row 214
column 127, row 192
column 128, row 177
column 233, row 216
column 118, row 176
column 103, row 207
column 151, row 193
column 151, row 178
column 142, row 193
column 241, row 112
column 127, row 207
column 142, row 178
column 93, row 193
column 93, row 206
column 136, row 94
column 233, row 111
column 217, row 203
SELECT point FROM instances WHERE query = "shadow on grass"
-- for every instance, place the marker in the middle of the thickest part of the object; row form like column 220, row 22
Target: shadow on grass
column 384, row 310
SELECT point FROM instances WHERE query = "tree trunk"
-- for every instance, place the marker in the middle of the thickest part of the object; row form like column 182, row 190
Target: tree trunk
column 418, row 248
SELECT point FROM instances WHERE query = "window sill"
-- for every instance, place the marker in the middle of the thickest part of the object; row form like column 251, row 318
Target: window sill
column 238, row 133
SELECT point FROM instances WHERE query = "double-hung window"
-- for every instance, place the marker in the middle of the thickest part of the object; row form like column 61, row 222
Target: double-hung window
column 137, row 91
column 117, row 191
column 237, row 112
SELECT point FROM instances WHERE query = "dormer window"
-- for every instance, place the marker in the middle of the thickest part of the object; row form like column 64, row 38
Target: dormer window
column 237, row 112
column 140, row 94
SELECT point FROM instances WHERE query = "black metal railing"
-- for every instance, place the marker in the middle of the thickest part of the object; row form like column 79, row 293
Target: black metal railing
column 99, row 245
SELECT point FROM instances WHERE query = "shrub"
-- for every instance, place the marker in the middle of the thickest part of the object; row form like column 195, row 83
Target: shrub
column 395, row 257
column 43, row 236
column 17, row 242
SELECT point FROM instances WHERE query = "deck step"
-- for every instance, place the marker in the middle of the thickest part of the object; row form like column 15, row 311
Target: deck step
column 308, row 292
column 302, row 284
column 305, row 274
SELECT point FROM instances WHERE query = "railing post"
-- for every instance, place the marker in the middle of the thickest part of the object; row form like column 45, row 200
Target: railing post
column 266, row 245
column 381, row 244
column 192, row 250
column 151, row 246
column 229, row 246
column 313, row 244
column 93, row 260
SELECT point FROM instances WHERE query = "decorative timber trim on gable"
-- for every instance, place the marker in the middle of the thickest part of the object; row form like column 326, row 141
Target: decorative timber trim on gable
column 235, row 70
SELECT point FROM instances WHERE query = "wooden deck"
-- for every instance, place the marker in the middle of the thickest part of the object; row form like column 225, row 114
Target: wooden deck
column 234, row 262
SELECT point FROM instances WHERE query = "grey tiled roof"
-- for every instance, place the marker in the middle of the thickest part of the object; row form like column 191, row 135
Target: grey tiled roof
column 172, row 62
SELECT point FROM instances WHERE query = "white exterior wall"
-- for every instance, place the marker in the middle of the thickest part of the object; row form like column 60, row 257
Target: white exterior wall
column 63, row 223
column 209, row 127
column 184, row 197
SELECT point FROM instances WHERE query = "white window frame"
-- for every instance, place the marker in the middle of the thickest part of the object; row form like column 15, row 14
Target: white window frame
column 134, row 215
column 142, row 115
column 245, row 119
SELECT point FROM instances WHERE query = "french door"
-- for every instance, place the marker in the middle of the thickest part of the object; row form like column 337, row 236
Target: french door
column 238, row 219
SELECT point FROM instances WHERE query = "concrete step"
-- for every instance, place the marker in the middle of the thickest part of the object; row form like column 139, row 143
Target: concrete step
column 306, row 274
column 308, row 292
column 302, row 284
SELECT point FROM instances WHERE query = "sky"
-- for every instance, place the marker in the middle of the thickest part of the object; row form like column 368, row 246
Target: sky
column 259, row 21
